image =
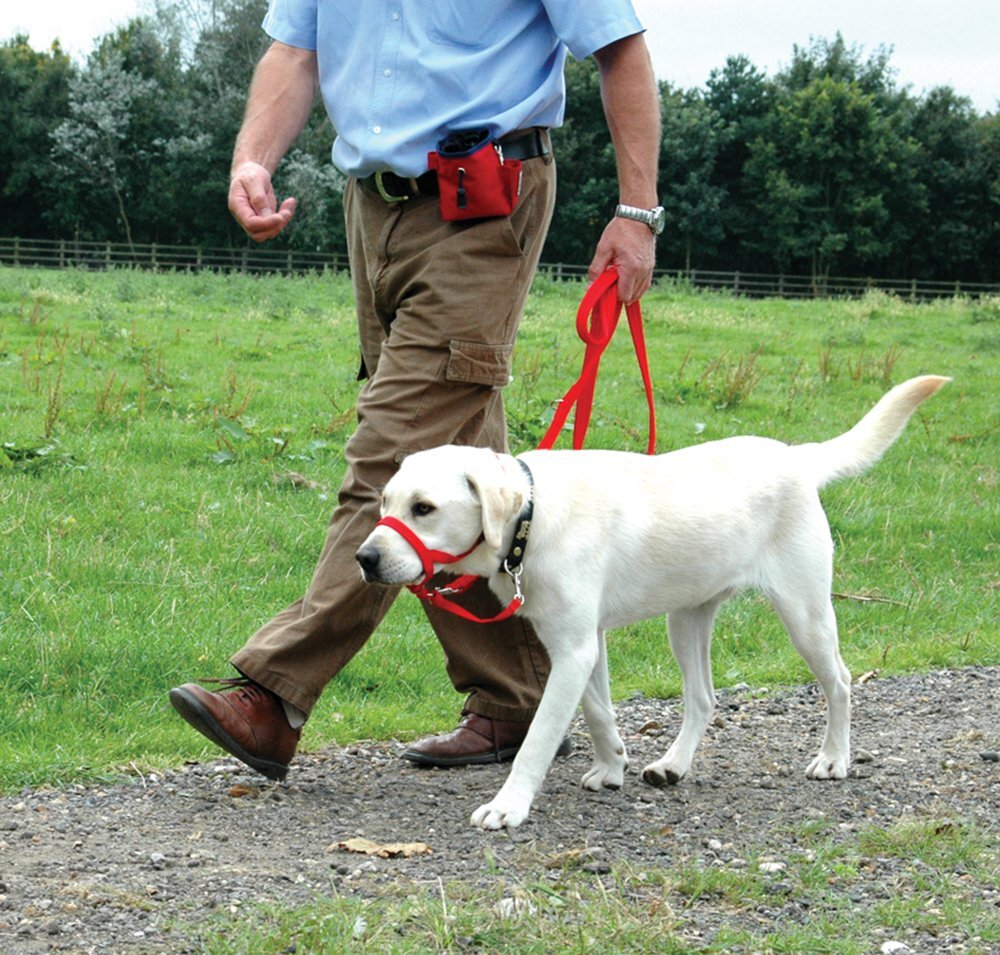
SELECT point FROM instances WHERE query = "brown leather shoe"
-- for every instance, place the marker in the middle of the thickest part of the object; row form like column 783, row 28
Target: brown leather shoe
column 477, row 739
column 245, row 720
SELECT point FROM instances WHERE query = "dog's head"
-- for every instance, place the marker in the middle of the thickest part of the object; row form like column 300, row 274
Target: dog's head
column 450, row 498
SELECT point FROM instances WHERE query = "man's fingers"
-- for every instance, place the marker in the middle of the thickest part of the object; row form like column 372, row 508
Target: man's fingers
column 252, row 203
column 632, row 288
column 632, row 252
column 267, row 227
column 261, row 196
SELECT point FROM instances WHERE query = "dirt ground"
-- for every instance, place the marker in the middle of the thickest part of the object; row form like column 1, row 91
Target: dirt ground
column 138, row 865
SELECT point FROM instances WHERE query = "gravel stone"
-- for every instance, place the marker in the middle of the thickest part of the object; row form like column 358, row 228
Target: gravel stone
column 141, row 865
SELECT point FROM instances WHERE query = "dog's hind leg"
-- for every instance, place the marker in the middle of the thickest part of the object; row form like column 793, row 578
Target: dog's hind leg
column 812, row 625
column 691, row 641
column 611, row 759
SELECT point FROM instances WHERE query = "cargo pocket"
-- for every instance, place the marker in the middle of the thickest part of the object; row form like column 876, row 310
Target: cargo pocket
column 477, row 364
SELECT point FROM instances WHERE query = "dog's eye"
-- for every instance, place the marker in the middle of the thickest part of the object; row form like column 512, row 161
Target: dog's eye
column 422, row 509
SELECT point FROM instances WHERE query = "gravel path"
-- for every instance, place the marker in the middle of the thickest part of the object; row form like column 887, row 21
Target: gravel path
column 126, row 867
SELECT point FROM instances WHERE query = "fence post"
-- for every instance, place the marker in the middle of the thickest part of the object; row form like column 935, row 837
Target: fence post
column 736, row 282
column 62, row 253
column 17, row 251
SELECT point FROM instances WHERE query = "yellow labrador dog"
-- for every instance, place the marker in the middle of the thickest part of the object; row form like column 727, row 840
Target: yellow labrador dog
column 616, row 537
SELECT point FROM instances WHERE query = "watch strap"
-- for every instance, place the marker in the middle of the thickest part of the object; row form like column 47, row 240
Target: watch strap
column 651, row 217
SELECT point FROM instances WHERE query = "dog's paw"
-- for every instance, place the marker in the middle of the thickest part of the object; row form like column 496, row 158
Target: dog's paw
column 604, row 776
column 500, row 814
column 661, row 776
column 828, row 767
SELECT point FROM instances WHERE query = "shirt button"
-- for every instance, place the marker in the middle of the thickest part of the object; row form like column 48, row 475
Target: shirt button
column 376, row 129
column 387, row 72
column 395, row 15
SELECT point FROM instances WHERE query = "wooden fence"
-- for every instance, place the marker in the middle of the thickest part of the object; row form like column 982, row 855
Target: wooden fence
column 67, row 254
column 764, row 285
column 62, row 254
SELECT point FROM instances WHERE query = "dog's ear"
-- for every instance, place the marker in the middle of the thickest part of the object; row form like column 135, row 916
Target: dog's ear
column 500, row 503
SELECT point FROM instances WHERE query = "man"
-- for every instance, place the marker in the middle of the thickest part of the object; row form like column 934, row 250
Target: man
column 438, row 305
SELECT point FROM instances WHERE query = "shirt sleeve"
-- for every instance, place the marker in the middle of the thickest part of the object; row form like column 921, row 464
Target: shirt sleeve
column 586, row 27
column 292, row 22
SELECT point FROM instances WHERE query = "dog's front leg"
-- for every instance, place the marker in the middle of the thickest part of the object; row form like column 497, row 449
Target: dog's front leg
column 570, row 669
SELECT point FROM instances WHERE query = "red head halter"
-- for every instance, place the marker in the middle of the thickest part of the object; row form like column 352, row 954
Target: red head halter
column 437, row 597
column 428, row 557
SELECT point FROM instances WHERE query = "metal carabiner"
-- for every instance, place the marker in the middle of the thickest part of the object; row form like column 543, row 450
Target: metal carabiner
column 387, row 197
column 515, row 575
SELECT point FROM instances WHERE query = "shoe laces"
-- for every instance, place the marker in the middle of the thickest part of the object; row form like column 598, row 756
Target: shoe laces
column 243, row 687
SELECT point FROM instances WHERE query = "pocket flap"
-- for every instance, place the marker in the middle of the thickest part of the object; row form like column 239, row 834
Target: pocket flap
column 479, row 364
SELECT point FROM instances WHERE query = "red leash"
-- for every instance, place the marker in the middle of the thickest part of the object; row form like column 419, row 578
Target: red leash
column 601, row 306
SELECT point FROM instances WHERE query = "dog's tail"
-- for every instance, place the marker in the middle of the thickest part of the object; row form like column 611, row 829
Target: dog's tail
column 857, row 450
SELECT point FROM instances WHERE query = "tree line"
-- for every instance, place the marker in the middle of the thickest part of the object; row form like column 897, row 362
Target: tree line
column 828, row 167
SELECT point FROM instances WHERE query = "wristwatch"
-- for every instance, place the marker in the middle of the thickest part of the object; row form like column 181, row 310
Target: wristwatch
column 654, row 218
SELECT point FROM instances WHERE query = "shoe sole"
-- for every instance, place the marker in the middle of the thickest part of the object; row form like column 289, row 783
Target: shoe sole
column 481, row 759
column 191, row 709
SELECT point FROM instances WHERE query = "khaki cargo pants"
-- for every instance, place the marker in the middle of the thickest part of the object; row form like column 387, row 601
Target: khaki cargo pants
column 438, row 308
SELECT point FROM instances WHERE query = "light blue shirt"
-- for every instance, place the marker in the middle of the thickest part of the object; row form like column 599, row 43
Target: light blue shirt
column 397, row 75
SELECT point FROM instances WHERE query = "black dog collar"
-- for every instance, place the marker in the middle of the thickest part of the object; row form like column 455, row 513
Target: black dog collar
column 516, row 554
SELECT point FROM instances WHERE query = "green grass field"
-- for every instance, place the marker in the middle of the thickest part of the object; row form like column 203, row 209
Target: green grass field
column 647, row 911
column 172, row 450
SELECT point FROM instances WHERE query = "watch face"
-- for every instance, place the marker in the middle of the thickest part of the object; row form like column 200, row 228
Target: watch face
column 659, row 220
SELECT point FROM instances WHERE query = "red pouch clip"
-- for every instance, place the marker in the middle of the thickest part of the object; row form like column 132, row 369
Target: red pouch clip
column 474, row 181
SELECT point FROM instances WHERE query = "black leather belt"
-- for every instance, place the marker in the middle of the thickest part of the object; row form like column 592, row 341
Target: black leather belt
column 530, row 144
column 521, row 144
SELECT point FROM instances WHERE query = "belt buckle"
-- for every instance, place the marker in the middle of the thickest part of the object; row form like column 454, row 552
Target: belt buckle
column 387, row 197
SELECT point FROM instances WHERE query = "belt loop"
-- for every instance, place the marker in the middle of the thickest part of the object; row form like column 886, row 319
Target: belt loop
column 545, row 144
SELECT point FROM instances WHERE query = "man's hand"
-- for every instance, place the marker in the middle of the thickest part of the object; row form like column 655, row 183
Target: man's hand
column 253, row 204
column 630, row 247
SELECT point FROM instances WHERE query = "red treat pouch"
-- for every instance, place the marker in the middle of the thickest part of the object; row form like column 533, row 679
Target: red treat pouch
column 474, row 181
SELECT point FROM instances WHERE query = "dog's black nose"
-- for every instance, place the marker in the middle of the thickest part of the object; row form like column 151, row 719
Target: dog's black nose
column 368, row 557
